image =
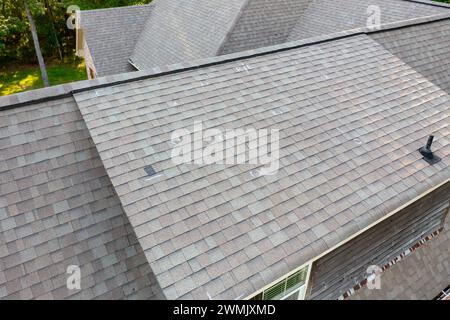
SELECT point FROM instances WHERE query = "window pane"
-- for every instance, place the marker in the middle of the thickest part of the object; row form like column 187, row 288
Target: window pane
column 296, row 280
column 284, row 287
column 276, row 292
column 293, row 296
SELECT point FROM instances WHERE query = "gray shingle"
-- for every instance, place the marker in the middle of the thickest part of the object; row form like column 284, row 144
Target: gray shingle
column 425, row 48
column 349, row 132
column 111, row 35
column 333, row 93
column 57, row 200
column 178, row 31
column 322, row 17
column 263, row 23
column 170, row 31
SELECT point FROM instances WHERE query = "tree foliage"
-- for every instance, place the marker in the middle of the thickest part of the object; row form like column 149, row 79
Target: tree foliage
column 16, row 45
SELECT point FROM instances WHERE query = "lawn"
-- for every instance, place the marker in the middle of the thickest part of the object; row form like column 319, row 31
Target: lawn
column 14, row 81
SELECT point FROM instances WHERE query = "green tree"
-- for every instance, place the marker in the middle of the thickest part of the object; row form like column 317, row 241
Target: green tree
column 37, row 47
column 56, row 41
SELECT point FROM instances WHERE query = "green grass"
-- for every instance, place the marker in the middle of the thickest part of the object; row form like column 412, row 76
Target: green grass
column 29, row 78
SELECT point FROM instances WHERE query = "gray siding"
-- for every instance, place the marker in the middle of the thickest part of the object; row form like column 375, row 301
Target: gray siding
column 346, row 266
column 420, row 275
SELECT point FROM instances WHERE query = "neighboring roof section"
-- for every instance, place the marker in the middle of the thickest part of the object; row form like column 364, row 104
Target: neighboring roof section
column 58, row 208
column 352, row 119
column 111, row 35
column 181, row 31
column 424, row 47
column 327, row 17
column 172, row 31
column 184, row 30
column 263, row 23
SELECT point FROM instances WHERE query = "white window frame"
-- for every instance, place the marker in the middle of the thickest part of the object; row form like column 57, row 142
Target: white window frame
column 300, row 291
column 303, row 289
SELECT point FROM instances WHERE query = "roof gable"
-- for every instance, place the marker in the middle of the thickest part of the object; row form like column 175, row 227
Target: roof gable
column 111, row 35
column 185, row 30
column 263, row 23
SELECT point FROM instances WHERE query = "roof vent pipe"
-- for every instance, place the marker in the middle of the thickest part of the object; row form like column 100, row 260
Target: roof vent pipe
column 426, row 152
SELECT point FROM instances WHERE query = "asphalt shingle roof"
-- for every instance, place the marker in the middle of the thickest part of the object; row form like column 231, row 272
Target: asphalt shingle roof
column 263, row 23
column 327, row 17
column 351, row 116
column 424, row 47
column 58, row 208
column 111, row 36
column 179, row 31
column 353, row 119
column 171, row 31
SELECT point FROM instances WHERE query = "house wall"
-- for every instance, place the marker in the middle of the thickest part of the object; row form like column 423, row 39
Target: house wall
column 420, row 275
column 82, row 50
column 90, row 67
column 341, row 269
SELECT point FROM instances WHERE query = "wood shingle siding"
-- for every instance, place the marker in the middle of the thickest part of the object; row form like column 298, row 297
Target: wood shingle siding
column 346, row 266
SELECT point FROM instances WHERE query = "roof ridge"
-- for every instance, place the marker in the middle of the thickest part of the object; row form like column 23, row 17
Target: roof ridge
column 130, row 60
column 167, row 8
column 237, row 19
column 65, row 90
column 293, row 28
column 233, row 25
column 430, row 3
